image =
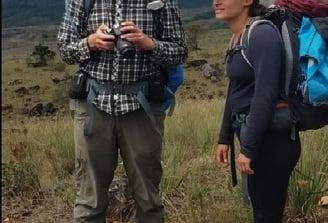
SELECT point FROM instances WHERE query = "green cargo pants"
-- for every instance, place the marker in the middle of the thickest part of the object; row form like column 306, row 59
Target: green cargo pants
column 139, row 143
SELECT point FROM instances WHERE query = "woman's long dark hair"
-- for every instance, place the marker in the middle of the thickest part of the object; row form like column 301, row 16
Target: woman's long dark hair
column 257, row 9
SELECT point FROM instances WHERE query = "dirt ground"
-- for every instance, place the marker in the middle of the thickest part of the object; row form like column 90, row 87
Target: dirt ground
column 37, row 210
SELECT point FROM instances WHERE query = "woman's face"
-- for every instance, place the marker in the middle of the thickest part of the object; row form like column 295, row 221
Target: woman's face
column 227, row 10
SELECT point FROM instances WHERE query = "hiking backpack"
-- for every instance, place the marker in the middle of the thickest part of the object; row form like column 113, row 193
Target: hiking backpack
column 306, row 65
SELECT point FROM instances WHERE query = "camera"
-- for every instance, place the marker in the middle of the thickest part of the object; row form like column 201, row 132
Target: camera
column 125, row 48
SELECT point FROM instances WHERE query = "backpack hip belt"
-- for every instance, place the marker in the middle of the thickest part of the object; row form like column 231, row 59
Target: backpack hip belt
column 115, row 88
column 239, row 117
column 140, row 89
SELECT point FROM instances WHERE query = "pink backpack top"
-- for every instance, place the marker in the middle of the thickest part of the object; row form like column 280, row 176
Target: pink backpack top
column 312, row 8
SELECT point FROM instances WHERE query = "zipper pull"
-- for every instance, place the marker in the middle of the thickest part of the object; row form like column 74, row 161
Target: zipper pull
column 79, row 78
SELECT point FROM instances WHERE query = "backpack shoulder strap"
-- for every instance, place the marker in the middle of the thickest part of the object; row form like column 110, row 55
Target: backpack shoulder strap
column 88, row 5
column 246, row 35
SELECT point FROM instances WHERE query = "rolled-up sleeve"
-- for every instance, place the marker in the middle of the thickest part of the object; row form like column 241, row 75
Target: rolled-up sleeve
column 72, row 45
column 170, row 47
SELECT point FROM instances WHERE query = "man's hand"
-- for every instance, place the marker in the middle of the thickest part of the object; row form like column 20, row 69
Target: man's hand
column 244, row 164
column 133, row 34
column 101, row 41
column 222, row 155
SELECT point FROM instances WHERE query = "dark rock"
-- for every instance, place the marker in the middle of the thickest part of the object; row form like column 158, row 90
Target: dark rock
column 35, row 88
column 121, row 206
column 210, row 71
column 16, row 82
column 21, row 91
column 36, row 110
column 195, row 63
column 6, row 107
column 49, row 109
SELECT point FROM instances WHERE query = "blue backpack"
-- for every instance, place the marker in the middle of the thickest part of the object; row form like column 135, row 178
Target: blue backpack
column 314, row 64
column 306, row 65
column 174, row 80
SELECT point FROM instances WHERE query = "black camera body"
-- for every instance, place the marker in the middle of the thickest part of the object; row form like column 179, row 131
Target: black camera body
column 125, row 48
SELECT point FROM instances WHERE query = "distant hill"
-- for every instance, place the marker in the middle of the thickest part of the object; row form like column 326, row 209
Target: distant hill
column 194, row 3
column 48, row 12
column 30, row 12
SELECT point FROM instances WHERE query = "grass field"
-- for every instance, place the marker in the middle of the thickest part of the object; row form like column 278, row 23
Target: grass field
column 38, row 152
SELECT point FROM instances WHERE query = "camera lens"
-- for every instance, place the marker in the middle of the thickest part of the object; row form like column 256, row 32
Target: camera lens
column 126, row 49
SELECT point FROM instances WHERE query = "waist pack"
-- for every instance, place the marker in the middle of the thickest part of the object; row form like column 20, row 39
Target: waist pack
column 305, row 87
column 78, row 87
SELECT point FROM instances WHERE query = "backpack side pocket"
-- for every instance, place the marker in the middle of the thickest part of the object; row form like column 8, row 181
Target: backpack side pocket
column 157, row 88
column 282, row 119
column 78, row 88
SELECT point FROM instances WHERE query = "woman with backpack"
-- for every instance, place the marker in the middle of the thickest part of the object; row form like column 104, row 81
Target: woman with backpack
column 267, row 156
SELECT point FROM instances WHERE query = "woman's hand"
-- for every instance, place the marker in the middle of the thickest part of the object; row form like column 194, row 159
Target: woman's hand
column 222, row 156
column 244, row 164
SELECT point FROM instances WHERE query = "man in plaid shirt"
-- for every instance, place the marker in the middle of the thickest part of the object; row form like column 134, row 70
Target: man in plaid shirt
column 120, row 124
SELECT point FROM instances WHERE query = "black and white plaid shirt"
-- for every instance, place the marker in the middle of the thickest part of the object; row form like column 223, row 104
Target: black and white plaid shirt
column 107, row 66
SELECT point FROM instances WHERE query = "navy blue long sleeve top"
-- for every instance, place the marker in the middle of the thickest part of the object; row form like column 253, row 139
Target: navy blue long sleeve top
column 254, row 90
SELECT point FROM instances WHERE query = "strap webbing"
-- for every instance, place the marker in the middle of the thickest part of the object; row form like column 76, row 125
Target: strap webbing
column 145, row 105
column 88, row 5
column 172, row 105
column 140, row 88
column 233, row 163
